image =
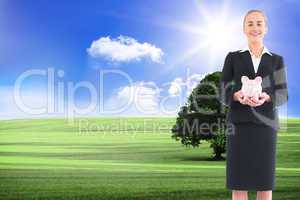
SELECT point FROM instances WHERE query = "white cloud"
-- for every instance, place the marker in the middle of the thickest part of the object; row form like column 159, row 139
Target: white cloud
column 178, row 85
column 124, row 49
column 142, row 97
column 138, row 98
column 134, row 99
column 193, row 81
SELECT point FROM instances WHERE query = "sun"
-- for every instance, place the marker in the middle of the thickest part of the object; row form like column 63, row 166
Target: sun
column 218, row 35
column 213, row 34
column 219, row 31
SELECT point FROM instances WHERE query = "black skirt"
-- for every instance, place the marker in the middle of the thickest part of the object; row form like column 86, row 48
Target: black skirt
column 251, row 157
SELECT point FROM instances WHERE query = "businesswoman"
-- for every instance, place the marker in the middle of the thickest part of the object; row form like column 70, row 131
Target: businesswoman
column 251, row 143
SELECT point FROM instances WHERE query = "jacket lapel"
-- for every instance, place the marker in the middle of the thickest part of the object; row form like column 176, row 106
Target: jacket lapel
column 263, row 67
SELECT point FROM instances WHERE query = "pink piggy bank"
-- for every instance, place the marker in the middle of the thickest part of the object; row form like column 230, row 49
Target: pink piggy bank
column 251, row 87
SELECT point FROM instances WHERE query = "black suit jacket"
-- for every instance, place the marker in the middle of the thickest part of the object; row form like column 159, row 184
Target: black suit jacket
column 273, row 72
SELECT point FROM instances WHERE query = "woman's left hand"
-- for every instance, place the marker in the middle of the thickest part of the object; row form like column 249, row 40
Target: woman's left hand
column 264, row 97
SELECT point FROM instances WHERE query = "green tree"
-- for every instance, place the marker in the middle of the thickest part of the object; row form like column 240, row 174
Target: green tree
column 203, row 117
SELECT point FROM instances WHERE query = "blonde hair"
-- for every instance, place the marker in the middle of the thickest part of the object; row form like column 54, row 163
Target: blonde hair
column 259, row 11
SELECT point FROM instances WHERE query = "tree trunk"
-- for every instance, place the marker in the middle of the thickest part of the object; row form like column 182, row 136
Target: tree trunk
column 218, row 154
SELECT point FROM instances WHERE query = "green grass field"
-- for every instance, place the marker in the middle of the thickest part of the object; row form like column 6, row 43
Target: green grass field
column 135, row 159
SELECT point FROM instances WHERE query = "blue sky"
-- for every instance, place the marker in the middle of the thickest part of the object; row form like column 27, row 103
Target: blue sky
column 158, row 45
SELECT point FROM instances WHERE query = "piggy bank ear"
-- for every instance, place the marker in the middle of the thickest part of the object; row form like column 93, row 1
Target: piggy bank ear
column 244, row 79
column 258, row 79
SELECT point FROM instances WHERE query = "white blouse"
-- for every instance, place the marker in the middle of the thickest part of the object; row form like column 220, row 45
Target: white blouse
column 256, row 60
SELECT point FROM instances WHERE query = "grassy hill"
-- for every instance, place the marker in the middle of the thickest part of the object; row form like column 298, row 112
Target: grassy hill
column 125, row 158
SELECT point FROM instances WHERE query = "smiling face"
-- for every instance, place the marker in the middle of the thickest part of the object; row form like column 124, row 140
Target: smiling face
column 255, row 27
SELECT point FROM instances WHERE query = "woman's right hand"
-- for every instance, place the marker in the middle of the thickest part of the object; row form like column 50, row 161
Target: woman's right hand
column 238, row 96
